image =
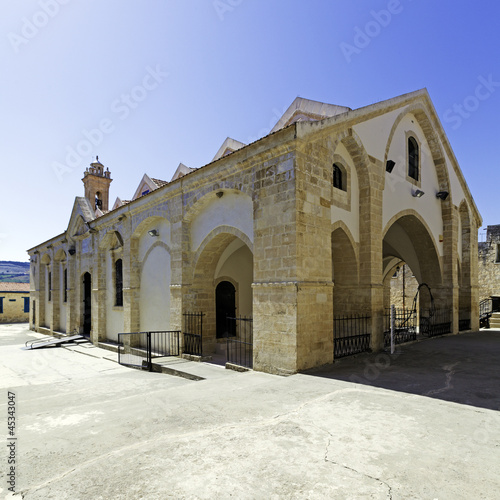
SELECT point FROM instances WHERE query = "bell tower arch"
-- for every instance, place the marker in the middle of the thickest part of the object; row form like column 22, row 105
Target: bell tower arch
column 96, row 182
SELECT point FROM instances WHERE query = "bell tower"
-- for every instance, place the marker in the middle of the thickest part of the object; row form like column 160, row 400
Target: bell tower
column 96, row 182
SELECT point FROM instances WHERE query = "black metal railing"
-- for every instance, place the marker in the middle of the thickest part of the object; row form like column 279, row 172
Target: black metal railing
column 464, row 323
column 240, row 341
column 405, row 326
column 351, row 335
column 193, row 333
column 435, row 322
column 485, row 312
column 138, row 349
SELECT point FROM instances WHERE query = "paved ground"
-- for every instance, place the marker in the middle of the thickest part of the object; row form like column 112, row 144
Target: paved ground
column 88, row 428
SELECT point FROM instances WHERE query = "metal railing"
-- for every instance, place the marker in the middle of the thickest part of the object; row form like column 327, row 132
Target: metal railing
column 240, row 341
column 193, row 333
column 143, row 347
column 405, row 326
column 435, row 322
column 485, row 312
column 351, row 335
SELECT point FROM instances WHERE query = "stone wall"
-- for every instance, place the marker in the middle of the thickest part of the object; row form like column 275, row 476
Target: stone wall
column 489, row 263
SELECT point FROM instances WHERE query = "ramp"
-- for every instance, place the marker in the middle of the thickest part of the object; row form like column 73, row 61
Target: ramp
column 53, row 342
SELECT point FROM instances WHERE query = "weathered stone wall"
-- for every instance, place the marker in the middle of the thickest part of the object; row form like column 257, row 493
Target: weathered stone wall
column 489, row 264
column 13, row 307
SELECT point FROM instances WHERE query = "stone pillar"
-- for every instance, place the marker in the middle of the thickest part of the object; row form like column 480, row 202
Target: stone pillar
column 56, row 296
column 73, row 295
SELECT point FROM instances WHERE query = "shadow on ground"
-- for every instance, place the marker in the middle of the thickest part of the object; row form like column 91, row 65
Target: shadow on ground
column 461, row 368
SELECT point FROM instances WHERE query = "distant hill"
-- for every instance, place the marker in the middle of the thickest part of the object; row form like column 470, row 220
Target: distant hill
column 14, row 271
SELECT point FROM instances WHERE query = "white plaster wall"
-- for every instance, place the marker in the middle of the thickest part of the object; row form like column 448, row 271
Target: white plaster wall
column 155, row 290
column 398, row 190
column 238, row 265
column 233, row 209
column 114, row 315
column 146, row 241
column 374, row 133
column 350, row 218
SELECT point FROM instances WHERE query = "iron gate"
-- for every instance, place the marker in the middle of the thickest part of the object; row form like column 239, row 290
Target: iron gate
column 405, row 326
column 240, row 341
column 351, row 335
column 142, row 347
column 193, row 333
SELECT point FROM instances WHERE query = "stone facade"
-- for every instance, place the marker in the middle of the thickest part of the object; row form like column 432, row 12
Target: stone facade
column 298, row 244
column 489, row 264
column 14, row 302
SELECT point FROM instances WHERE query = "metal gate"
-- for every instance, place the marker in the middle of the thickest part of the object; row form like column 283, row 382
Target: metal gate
column 405, row 326
column 193, row 333
column 137, row 350
column 240, row 341
column 351, row 335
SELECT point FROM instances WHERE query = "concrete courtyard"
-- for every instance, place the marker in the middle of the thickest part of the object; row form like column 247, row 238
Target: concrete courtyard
column 420, row 424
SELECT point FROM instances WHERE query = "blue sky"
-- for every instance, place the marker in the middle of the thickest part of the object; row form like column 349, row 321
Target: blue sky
column 149, row 84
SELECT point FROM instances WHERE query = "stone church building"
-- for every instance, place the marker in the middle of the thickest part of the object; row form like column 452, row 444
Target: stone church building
column 304, row 224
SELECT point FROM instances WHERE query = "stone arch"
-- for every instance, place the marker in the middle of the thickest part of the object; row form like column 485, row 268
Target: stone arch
column 407, row 237
column 421, row 114
column 60, row 255
column 224, row 255
column 111, row 241
column 146, row 223
column 199, row 200
column 345, row 269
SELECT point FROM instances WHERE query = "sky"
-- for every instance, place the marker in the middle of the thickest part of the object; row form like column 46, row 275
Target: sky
column 148, row 84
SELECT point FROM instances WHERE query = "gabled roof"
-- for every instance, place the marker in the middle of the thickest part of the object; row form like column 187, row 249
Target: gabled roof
column 306, row 110
column 228, row 146
column 81, row 214
column 147, row 185
column 119, row 203
column 181, row 171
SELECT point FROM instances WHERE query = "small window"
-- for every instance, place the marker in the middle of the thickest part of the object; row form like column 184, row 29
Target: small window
column 50, row 286
column 338, row 180
column 413, row 166
column 145, row 192
column 65, row 286
column 26, row 304
column 119, row 282
column 1, row 305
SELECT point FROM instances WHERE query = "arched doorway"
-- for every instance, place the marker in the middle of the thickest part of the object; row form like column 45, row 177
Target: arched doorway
column 225, row 306
column 87, row 303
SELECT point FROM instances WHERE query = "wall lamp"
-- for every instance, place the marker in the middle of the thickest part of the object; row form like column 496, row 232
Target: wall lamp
column 417, row 193
column 442, row 195
column 153, row 232
column 389, row 165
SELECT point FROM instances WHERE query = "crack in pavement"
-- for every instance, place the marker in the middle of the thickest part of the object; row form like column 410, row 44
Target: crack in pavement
column 448, row 385
column 326, row 459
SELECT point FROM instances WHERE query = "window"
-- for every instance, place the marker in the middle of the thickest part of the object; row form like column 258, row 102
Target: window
column 50, row 286
column 338, row 181
column 119, row 282
column 26, row 304
column 1, row 305
column 413, row 165
column 65, row 286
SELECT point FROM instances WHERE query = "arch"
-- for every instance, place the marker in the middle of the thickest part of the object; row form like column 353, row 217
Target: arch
column 151, row 248
column 345, row 269
column 421, row 114
column 229, row 231
column 111, row 241
column 86, row 280
column 146, row 223
column 196, row 203
column 359, row 157
column 60, row 255
column 45, row 259
column 224, row 255
column 407, row 237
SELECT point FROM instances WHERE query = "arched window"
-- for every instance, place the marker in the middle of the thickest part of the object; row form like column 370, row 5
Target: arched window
column 119, row 282
column 98, row 200
column 338, row 181
column 413, row 166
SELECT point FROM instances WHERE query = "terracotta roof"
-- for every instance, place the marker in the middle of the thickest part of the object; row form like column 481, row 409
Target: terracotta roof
column 159, row 182
column 14, row 287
